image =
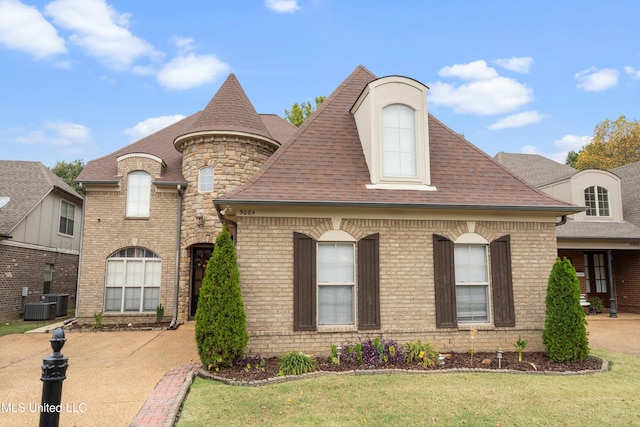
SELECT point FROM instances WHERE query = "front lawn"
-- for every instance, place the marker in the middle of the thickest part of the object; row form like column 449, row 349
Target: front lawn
column 450, row 399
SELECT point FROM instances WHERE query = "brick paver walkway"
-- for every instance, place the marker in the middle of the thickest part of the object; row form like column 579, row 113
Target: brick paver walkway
column 162, row 405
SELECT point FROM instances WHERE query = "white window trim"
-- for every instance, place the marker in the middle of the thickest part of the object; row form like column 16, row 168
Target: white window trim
column 200, row 180
column 142, row 207
column 353, row 286
column 473, row 239
column 74, row 218
column 124, row 286
column 597, row 201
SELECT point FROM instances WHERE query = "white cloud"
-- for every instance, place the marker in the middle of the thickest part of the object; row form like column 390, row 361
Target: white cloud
column 282, row 6
column 529, row 149
column 517, row 120
column 483, row 97
column 58, row 133
column 572, row 142
column 520, row 64
column 101, row 30
column 189, row 71
column 633, row 72
column 594, row 80
column 151, row 125
column 485, row 93
column 24, row 28
column 476, row 70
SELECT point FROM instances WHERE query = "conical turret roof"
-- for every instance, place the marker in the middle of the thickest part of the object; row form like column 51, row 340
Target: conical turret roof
column 229, row 111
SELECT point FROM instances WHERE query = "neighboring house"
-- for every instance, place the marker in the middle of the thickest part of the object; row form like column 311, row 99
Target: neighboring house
column 603, row 242
column 40, row 229
column 372, row 218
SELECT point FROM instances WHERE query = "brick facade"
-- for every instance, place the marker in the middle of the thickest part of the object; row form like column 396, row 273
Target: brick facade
column 265, row 258
column 23, row 266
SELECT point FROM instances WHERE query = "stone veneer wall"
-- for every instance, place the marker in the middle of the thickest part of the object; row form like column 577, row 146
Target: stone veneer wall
column 234, row 159
column 107, row 230
column 21, row 266
column 265, row 258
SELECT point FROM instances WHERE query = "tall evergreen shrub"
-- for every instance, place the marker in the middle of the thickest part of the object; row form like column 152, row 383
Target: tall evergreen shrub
column 221, row 325
column 565, row 332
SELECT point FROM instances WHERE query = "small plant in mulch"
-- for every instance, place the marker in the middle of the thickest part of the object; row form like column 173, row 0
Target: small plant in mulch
column 97, row 320
column 296, row 363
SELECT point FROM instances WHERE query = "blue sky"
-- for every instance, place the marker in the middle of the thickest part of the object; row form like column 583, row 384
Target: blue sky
column 81, row 78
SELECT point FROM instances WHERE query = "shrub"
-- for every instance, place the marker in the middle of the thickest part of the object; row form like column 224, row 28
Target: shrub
column 221, row 330
column 565, row 332
column 373, row 352
column 296, row 363
column 422, row 354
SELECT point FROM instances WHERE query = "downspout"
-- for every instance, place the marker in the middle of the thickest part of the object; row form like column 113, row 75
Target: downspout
column 613, row 312
column 174, row 322
column 227, row 221
column 563, row 221
column 84, row 199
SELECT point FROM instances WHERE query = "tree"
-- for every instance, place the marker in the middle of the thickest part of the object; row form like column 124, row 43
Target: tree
column 565, row 331
column 572, row 158
column 299, row 113
column 68, row 172
column 221, row 325
column 614, row 143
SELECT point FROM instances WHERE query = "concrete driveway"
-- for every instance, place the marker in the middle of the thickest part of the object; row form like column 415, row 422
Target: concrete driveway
column 109, row 377
column 620, row 334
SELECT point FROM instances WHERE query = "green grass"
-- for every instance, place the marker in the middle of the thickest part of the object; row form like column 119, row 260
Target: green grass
column 20, row 326
column 454, row 399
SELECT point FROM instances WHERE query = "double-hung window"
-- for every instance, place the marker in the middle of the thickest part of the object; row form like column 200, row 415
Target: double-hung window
column 205, row 180
column 138, row 194
column 399, row 142
column 133, row 281
column 596, row 199
column 336, row 283
column 67, row 218
column 472, row 283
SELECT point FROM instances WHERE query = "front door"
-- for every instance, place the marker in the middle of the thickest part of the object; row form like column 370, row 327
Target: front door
column 199, row 258
column 597, row 275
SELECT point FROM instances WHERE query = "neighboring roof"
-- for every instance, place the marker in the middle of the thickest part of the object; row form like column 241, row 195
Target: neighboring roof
column 26, row 184
column 230, row 110
column 598, row 230
column 535, row 169
column 324, row 164
column 630, row 183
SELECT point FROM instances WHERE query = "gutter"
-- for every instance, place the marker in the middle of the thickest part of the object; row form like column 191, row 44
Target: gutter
column 174, row 321
column 354, row 204
column 227, row 221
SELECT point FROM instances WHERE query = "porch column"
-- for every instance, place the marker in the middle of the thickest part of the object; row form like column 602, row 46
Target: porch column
column 612, row 293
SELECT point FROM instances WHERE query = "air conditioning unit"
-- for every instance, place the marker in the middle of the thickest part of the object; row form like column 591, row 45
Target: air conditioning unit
column 62, row 301
column 40, row 311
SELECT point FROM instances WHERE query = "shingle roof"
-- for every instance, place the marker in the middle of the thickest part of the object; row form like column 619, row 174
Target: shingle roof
column 598, row 230
column 630, row 183
column 230, row 110
column 26, row 184
column 324, row 163
column 535, row 169
column 160, row 144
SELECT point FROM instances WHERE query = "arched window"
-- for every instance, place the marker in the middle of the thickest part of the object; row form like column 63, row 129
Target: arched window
column 133, row 280
column 399, row 141
column 138, row 194
column 205, row 180
column 597, row 201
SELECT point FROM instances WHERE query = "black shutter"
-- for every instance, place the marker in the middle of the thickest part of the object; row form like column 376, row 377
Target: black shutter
column 304, row 283
column 369, row 282
column 501, row 282
column 445, row 282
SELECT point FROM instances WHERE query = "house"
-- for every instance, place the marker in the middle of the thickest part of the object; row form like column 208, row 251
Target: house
column 40, row 229
column 603, row 242
column 372, row 218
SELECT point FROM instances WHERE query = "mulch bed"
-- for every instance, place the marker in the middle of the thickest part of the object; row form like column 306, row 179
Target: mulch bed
column 460, row 361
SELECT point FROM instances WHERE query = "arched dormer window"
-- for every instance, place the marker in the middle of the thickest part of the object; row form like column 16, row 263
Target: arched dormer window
column 596, row 199
column 399, row 141
column 205, row 180
column 138, row 194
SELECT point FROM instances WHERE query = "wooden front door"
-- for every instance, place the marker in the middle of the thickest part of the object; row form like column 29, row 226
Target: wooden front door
column 199, row 258
column 597, row 275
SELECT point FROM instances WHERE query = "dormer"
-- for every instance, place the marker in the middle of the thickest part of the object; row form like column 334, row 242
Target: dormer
column 600, row 192
column 391, row 116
